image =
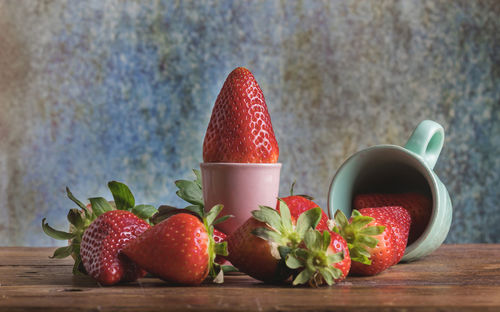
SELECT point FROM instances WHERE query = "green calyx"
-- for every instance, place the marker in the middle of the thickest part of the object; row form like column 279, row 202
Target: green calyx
column 358, row 234
column 215, row 270
column 314, row 261
column 280, row 229
column 80, row 219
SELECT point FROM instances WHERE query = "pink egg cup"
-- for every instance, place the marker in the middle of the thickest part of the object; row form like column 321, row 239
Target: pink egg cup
column 241, row 188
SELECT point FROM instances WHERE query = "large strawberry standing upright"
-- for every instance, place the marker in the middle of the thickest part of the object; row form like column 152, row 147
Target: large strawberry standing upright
column 240, row 129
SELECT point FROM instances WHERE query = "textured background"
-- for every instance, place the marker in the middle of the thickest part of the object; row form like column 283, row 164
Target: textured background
column 92, row 91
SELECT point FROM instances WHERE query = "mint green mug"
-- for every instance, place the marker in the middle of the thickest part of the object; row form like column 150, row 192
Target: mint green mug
column 396, row 169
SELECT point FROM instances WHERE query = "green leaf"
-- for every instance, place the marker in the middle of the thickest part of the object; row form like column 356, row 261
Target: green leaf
column 229, row 268
column 307, row 220
column 197, row 209
column 77, row 202
column 355, row 213
column 303, row 277
column 190, row 191
column 268, row 235
column 326, row 240
column 221, row 249
column 100, row 205
column 222, row 219
column 292, row 262
column 341, row 219
column 336, row 273
column 327, row 276
column 213, row 213
column 372, row 230
column 55, row 233
column 75, row 218
column 62, row 252
column 144, row 211
column 286, row 218
column 284, row 251
column 368, row 241
column 310, row 239
column 197, row 173
column 268, row 215
column 336, row 257
column 73, row 198
column 360, row 222
column 122, row 195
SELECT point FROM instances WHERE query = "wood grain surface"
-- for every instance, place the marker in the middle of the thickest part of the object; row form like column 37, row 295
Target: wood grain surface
column 453, row 278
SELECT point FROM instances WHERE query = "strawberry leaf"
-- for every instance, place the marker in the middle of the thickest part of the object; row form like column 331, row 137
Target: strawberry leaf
column 228, row 268
column 268, row 235
column 340, row 219
column 190, row 191
column 308, row 219
column 292, row 262
column 286, row 218
column 327, row 275
column 222, row 219
column 100, row 205
column 303, row 277
column 221, row 249
column 268, row 215
column 144, row 211
column 60, row 235
column 75, row 218
column 197, row 173
column 77, row 202
column 62, row 252
column 373, row 230
column 122, row 195
column 198, row 210
column 213, row 213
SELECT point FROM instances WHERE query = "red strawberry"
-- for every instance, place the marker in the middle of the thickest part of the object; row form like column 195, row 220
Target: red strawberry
column 81, row 219
column 102, row 243
column 240, row 129
column 220, row 237
column 298, row 204
column 180, row 249
column 253, row 255
column 377, row 237
column 265, row 244
column 419, row 206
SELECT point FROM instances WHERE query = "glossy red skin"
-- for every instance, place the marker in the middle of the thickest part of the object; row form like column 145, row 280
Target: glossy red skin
column 338, row 244
column 175, row 250
column 392, row 242
column 240, row 129
column 220, row 237
column 251, row 254
column 418, row 205
column 298, row 204
column 102, row 243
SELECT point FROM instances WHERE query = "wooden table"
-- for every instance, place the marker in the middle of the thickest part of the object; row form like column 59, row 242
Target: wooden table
column 454, row 278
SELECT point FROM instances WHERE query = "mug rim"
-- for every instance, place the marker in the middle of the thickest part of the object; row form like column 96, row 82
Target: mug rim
column 429, row 176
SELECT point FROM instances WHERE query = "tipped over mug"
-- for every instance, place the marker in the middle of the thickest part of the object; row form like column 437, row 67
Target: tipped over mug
column 397, row 169
column 241, row 188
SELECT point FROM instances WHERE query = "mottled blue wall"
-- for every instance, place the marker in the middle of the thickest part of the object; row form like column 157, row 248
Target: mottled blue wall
column 92, row 91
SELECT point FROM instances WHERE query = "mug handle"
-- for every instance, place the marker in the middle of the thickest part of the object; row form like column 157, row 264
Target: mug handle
column 427, row 141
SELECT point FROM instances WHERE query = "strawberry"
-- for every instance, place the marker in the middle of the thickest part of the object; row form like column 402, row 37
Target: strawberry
column 300, row 203
column 266, row 242
column 376, row 237
column 220, row 237
column 240, row 129
column 418, row 205
column 81, row 219
column 324, row 257
column 180, row 249
column 101, row 246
